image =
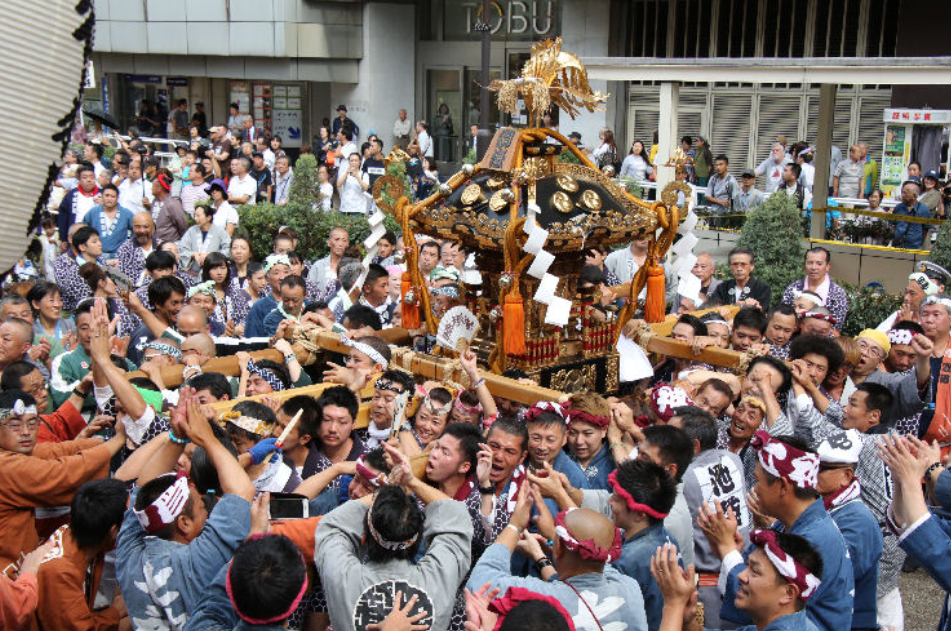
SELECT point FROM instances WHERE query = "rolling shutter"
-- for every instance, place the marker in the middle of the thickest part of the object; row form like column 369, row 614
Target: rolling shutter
column 730, row 129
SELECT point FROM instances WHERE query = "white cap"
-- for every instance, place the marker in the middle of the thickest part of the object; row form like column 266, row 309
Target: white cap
column 841, row 448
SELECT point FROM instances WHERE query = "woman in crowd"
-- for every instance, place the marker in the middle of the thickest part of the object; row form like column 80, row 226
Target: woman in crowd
column 606, row 152
column 176, row 167
column 352, row 184
column 875, row 204
column 226, row 216
column 104, row 287
column 231, row 300
column 442, row 130
column 200, row 239
column 930, row 194
column 256, row 283
column 428, row 179
column 428, row 424
column 325, row 146
column 47, row 303
column 637, row 165
column 240, row 260
column 326, row 188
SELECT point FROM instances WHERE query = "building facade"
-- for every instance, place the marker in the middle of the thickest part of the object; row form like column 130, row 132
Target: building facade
column 289, row 63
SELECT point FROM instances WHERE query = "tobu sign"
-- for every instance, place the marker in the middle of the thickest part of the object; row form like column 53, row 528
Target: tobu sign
column 517, row 19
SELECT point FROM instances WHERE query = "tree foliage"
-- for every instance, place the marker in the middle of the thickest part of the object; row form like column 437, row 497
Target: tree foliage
column 867, row 308
column 773, row 232
column 941, row 252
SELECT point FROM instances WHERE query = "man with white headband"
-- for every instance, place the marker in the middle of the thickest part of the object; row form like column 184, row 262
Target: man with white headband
column 386, row 390
column 170, row 548
column 389, row 529
column 786, row 477
column 784, row 571
column 39, row 475
column 919, row 287
column 592, row 590
column 841, row 492
column 369, row 357
column 276, row 268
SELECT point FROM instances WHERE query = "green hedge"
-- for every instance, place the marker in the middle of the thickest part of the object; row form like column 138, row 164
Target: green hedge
column 868, row 307
column 941, row 252
column 261, row 222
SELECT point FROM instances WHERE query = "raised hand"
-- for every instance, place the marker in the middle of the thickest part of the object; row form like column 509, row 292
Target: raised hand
column 199, row 429
column 484, row 466
column 676, row 585
column 96, row 425
column 263, row 449
column 523, row 507
column 721, row 529
column 478, row 616
column 260, row 525
column 400, row 619
column 470, row 364
column 760, row 517
column 922, row 345
column 543, row 521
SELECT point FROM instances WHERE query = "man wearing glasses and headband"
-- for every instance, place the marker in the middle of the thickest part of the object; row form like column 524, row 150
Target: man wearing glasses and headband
column 911, row 390
column 40, row 475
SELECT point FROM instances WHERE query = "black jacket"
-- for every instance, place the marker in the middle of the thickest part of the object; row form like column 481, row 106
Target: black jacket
column 758, row 291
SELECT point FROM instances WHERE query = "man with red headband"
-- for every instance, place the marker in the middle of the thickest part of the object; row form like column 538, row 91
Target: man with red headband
column 783, row 575
column 588, row 418
column 591, row 590
column 167, row 211
column 643, row 494
column 170, row 547
column 786, row 476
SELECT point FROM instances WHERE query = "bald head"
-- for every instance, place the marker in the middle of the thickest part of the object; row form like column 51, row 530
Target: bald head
column 191, row 321
column 585, row 524
column 143, row 228
column 201, row 345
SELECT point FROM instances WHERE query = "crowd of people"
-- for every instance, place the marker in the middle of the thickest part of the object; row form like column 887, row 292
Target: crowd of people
column 855, row 179
column 785, row 497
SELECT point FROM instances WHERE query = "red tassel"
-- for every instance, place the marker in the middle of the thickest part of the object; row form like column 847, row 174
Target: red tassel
column 656, row 305
column 411, row 319
column 513, row 316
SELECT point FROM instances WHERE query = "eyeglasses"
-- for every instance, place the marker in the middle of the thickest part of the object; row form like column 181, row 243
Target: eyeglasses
column 869, row 349
column 17, row 426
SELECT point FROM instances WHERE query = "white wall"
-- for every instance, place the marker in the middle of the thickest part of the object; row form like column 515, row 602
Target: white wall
column 584, row 27
column 386, row 71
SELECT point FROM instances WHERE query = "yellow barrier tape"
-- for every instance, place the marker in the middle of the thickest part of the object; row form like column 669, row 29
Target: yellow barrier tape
column 849, row 211
column 883, row 248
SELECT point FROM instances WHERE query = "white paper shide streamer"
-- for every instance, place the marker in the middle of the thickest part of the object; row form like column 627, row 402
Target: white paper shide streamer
column 559, row 309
